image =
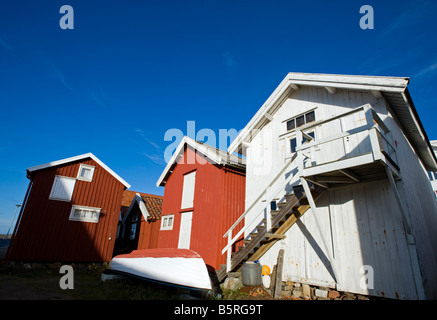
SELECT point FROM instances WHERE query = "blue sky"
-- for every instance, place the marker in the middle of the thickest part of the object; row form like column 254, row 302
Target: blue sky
column 131, row 70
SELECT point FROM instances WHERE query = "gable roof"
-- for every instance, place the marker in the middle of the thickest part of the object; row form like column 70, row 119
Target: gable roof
column 394, row 89
column 212, row 154
column 150, row 205
column 77, row 158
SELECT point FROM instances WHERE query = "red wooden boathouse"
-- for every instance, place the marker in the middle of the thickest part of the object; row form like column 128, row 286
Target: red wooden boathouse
column 204, row 195
column 139, row 222
column 70, row 212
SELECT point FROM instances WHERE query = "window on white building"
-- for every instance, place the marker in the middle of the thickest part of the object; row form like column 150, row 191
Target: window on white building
column 301, row 120
column 293, row 141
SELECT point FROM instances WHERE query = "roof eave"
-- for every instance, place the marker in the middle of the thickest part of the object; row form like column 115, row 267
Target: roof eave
column 292, row 82
column 77, row 158
column 389, row 85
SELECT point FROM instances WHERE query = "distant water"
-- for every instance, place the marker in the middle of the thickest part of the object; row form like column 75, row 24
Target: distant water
column 4, row 242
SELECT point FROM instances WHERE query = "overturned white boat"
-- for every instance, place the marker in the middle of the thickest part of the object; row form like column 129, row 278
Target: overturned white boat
column 178, row 267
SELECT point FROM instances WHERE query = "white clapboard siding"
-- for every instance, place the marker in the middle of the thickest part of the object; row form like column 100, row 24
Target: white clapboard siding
column 361, row 224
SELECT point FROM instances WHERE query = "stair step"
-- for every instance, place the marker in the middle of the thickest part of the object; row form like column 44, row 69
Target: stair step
column 259, row 241
column 280, row 205
column 260, row 228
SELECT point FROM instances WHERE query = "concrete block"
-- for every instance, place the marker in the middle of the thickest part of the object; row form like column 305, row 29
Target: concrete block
column 306, row 290
column 321, row 293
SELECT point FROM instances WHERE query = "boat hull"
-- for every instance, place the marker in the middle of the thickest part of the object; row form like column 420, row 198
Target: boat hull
column 179, row 267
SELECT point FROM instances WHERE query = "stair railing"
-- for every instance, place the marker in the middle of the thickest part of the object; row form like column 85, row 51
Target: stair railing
column 266, row 197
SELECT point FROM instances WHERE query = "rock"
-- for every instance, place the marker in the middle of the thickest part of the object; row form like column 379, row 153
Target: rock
column 297, row 293
column 347, row 296
column 234, row 274
column 108, row 277
column 56, row 265
column 286, row 293
column 306, row 290
column 36, row 265
column 232, row 284
column 321, row 293
column 333, row 294
column 266, row 281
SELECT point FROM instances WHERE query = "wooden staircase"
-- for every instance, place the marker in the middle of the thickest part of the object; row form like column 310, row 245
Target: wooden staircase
column 286, row 215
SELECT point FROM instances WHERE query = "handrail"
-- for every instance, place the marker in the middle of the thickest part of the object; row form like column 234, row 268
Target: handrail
column 370, row 124
column 267, row 204
column 288, row 162
column 373, row 123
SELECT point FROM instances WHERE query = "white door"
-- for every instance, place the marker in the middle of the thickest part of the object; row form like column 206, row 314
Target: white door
column 188, row 190
column 185, row 230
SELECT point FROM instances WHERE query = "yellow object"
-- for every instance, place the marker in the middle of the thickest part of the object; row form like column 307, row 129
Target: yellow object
column 266, row 270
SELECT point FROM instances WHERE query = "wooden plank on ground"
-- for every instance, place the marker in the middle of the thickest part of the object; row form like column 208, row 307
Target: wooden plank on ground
column 278, row 281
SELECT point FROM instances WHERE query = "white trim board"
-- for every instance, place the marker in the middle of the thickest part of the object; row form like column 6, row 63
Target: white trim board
column 76, row 158
column 141, row 205
column 212, row 154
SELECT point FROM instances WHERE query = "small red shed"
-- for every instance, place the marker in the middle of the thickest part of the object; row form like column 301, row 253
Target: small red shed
column 204, row 194
column 139, row 222
column 70, row 212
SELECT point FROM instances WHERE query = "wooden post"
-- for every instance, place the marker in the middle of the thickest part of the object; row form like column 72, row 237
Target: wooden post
column 278, row 281
column 411, row 243
column 268, row 214
column 229, row 253
column 299, row 139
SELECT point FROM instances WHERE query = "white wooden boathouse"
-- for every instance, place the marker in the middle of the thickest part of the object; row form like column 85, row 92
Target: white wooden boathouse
column 337, row 177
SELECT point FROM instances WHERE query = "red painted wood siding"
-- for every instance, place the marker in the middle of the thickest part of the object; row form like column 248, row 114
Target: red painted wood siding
column 219, row 196
column 45, row 232
column 149, row 231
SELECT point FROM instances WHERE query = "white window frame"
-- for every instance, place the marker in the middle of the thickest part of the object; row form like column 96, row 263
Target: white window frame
column 85, row 166
column 165, row 222
column 54, row 196
column 288, row 152
column 84, row 219
column 304, row 114
column 188, row 189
